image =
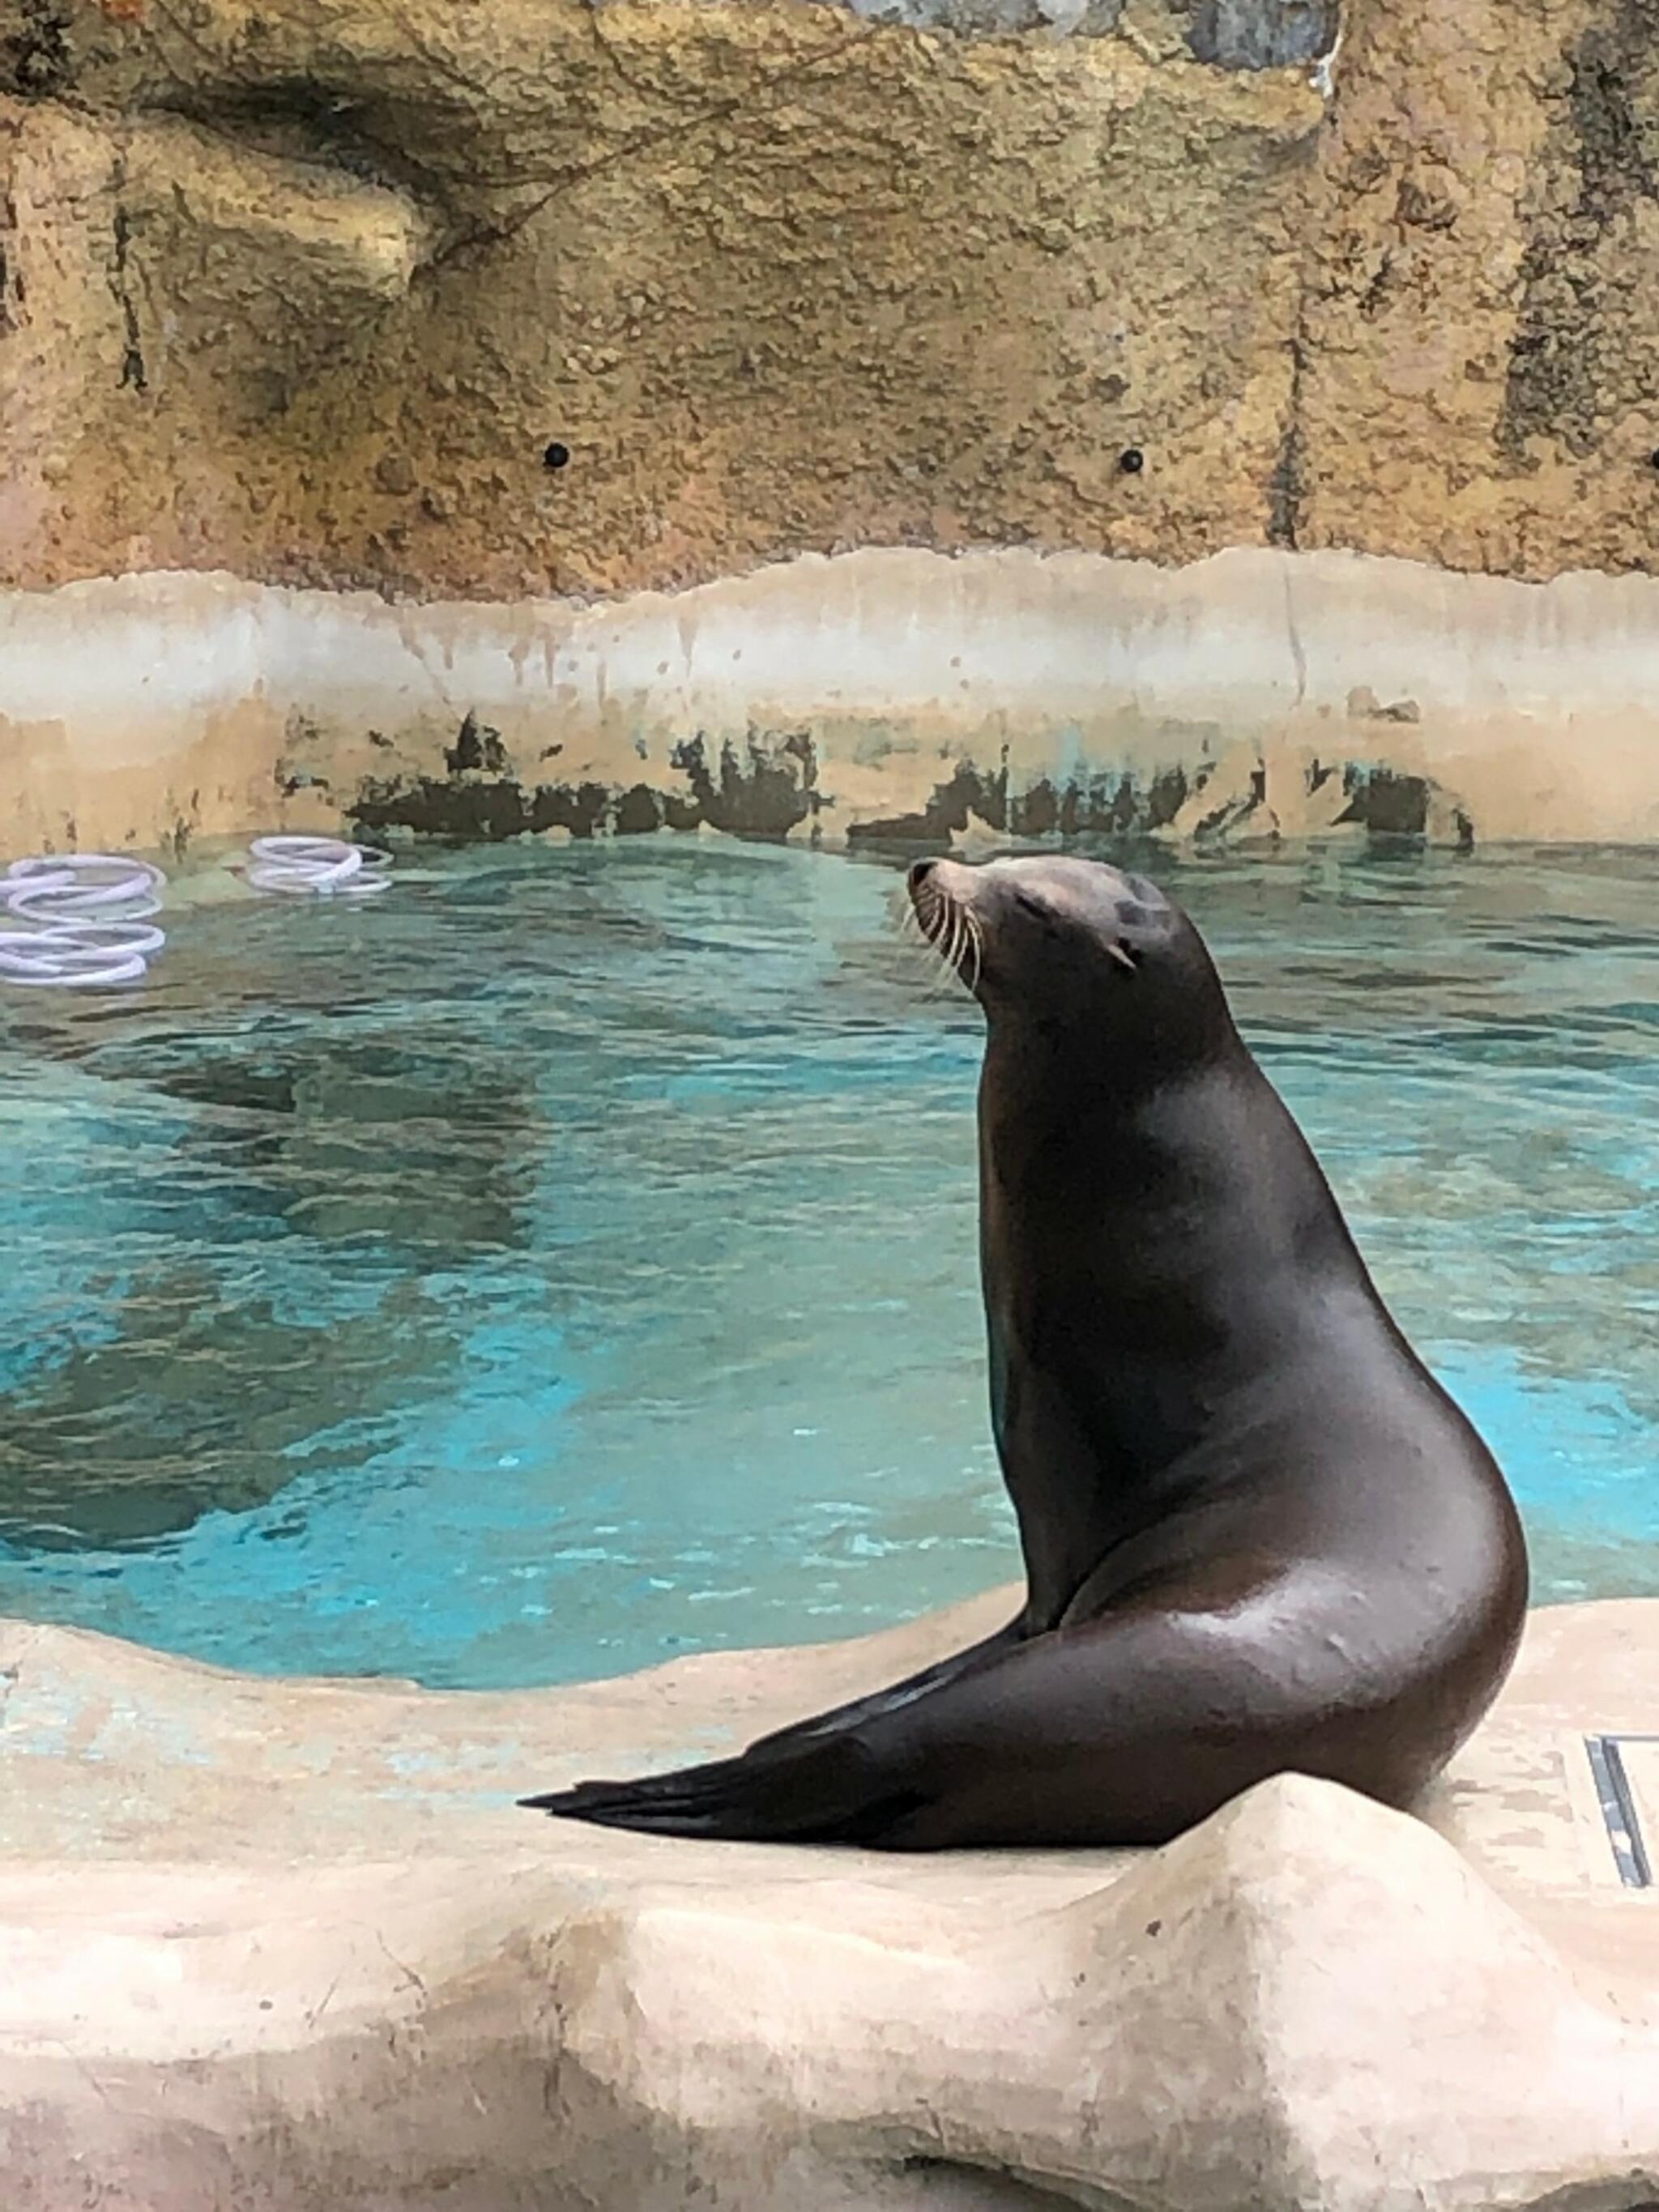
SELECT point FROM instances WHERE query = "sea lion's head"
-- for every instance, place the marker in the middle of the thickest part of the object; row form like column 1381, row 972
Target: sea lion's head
column 1047, row 939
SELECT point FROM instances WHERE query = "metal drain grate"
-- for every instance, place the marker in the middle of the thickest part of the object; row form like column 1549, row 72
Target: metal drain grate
column 1621, row 1807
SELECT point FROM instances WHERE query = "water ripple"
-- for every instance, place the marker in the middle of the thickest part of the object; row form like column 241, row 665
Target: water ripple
column 571, row 1259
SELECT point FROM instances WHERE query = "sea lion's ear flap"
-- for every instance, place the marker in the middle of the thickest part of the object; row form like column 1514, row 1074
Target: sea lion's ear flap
column 1122, row 955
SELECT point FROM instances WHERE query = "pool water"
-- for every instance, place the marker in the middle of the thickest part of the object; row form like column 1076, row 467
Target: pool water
column 567, row 1260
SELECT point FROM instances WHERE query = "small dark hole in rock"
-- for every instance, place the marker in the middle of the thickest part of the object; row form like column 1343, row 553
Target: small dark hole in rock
column 557, row 456
column 1132, row 460
column 1653, row 460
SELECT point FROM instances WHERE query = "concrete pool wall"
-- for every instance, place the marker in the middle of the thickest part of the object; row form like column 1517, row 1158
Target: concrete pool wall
column 883, row 693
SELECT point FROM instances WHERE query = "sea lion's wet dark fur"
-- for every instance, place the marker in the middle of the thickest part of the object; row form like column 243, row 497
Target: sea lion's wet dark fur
column 1258, row 1534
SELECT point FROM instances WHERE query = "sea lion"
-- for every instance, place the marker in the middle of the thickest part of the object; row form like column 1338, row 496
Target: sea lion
column 1258, row 1536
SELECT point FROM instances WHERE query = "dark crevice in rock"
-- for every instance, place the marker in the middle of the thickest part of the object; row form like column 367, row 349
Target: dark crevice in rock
column 1287, row 483
column 1617, row 156
column 1166, row 797
column 36, row 61
column 132, row 360
column 291, row 780
column 1212, row 819
column 1286, row 486
column 302, row 120
column 301, row 734
column 1010, row 2192
column 1607, row 138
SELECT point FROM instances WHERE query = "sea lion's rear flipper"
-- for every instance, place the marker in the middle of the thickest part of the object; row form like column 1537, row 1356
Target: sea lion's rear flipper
column 950, row 1757
column 1124, row 1730
column 812, row 1790
column 814, row 1780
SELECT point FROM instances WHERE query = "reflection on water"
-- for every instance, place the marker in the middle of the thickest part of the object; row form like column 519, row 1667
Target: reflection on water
column 569, row 1259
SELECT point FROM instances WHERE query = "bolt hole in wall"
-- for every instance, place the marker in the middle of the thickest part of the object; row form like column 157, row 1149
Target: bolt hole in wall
column 567, row 1258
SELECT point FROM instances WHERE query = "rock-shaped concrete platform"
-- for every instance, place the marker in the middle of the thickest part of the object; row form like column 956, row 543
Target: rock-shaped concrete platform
column 288, row 1946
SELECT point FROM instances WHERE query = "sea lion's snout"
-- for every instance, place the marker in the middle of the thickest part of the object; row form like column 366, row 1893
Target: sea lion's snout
column 948, row 879
column 937, row 886
column 940, row 898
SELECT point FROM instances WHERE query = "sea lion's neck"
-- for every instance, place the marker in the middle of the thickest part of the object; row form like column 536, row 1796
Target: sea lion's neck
column 1139, row 1243
column 1065, row 1109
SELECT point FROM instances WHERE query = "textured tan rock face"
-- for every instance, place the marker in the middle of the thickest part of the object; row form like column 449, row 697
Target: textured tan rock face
column 1480, row 379
column 307, row 290
column 329, row 280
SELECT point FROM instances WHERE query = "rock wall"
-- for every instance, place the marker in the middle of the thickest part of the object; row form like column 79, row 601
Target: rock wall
column 545, row 297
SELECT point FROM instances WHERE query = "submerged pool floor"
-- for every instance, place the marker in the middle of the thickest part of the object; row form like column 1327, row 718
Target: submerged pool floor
column 567, row 1260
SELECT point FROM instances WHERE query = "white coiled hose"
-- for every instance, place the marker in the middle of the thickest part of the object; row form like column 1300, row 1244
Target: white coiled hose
column 326, row 864
column 85, row 917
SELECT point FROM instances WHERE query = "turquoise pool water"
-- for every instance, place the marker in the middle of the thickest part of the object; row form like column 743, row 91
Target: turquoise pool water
column 567, row 1260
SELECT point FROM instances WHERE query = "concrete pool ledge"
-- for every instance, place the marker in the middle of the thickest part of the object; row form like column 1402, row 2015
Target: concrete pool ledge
column 286, row 1945
column 883, row 692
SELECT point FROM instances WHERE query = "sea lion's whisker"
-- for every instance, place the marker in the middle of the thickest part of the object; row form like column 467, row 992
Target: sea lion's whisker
column 913, row 917
column 922, row 920
column 944, row 937
column 950, row 930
